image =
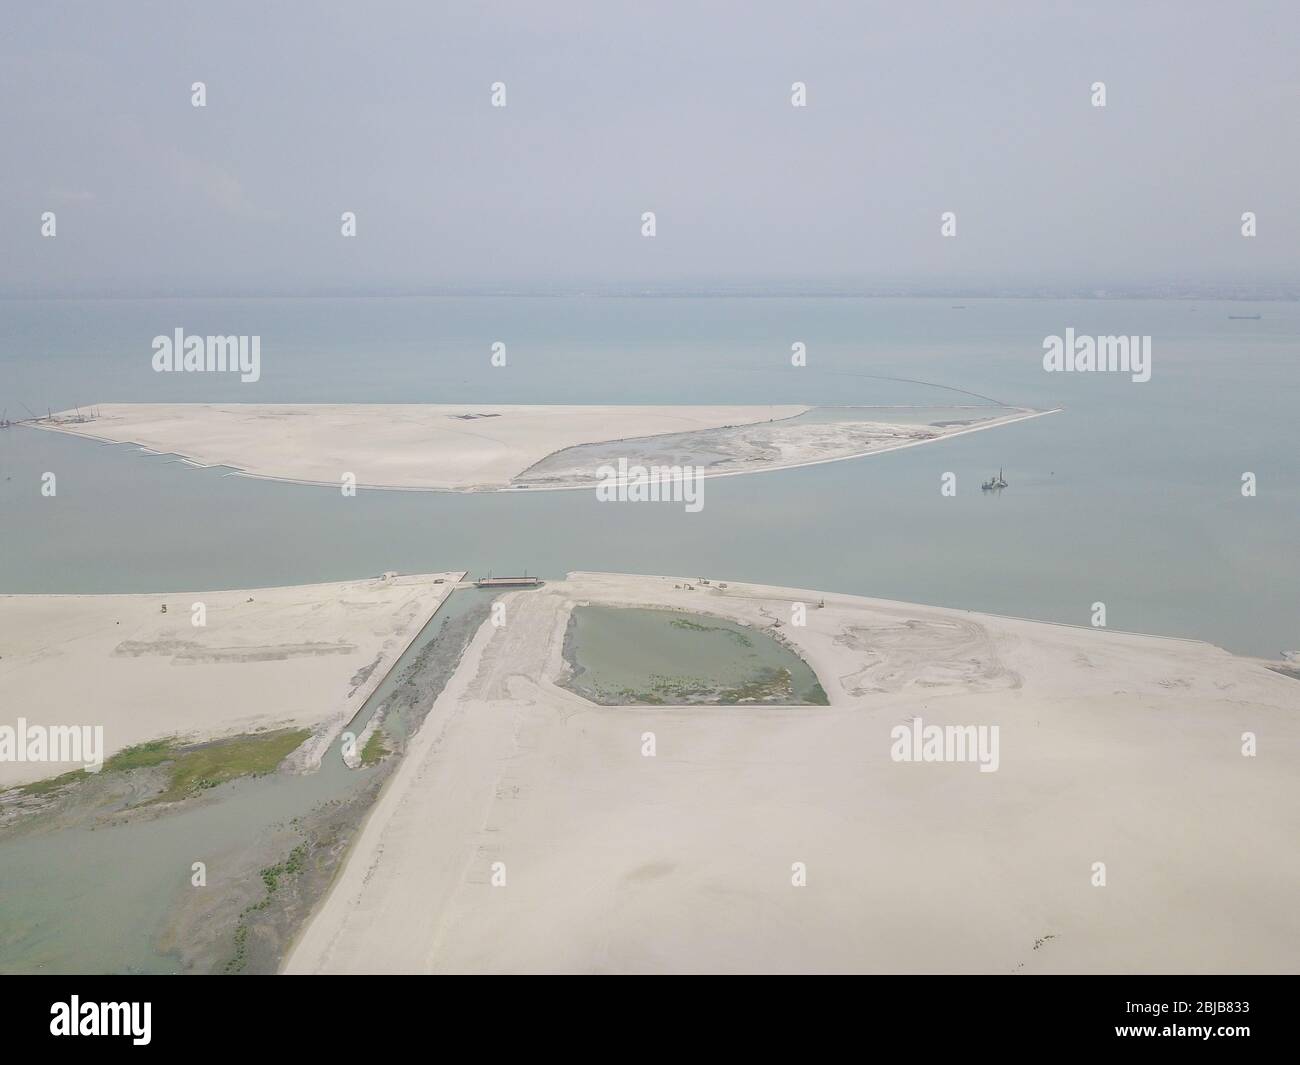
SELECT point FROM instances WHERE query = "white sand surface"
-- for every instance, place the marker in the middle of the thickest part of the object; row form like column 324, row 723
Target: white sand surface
column 391, row 445
column 492, row 447
column 305, row 656
column 1114, row 748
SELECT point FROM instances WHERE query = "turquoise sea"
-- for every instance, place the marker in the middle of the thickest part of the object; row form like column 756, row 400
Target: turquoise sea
column 1130, row 496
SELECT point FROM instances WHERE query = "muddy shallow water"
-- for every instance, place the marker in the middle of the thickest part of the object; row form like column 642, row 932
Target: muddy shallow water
column 625, row 656
column 99, row 881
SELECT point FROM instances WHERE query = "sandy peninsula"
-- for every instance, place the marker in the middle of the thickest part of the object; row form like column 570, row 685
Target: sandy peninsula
column 493, row 447
column 265, row 657
column 525, row 831
column 388, row 445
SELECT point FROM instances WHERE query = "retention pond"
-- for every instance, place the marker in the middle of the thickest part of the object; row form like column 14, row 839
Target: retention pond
column 627, row 656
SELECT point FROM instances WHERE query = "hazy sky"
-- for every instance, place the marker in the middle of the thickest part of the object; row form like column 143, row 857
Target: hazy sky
column 613, row 109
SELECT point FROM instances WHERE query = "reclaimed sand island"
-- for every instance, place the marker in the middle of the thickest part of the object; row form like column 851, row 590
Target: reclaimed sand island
column 266, row 657
column 491, row 447
column 526, row 829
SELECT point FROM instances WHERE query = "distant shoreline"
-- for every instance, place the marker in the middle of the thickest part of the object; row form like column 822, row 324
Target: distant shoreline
column 1281, row 292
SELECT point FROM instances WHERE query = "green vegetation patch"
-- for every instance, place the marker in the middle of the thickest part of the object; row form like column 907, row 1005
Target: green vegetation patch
column 272, row 876
column 291, row 866
column 49, row 784
column 141, row 756
column 375, row 749
column 196, row 769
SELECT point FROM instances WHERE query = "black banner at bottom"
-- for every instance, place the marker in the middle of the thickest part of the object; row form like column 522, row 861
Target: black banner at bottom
column 1223, row 1014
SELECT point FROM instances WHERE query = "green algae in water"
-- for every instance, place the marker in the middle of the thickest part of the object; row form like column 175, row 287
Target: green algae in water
column 623, row 656
column 375, row 750
column 192, row 768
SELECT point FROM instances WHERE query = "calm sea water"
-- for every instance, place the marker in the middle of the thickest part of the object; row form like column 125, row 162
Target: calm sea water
column 1130, row 496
